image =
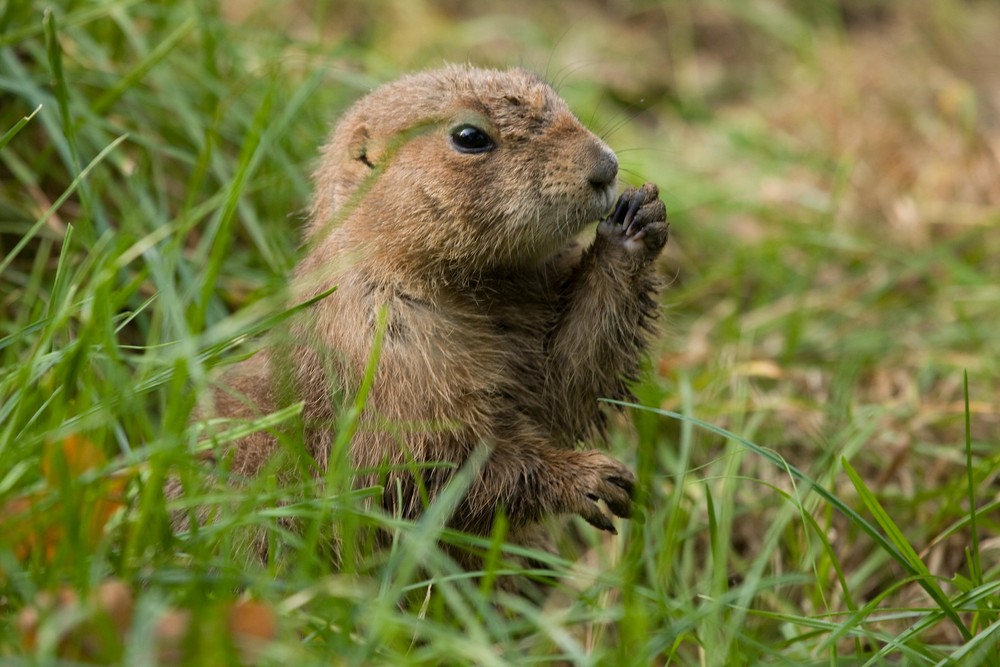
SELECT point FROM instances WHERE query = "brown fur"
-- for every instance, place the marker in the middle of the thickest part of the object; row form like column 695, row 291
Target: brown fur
column 500, row 329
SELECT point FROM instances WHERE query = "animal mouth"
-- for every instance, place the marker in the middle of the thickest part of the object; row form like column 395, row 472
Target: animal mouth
column 609, row 195
column 605, row 200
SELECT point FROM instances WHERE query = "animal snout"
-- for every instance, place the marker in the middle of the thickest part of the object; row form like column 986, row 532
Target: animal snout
column 605, row 168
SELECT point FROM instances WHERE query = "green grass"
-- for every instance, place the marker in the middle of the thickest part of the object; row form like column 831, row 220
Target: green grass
column 818, row 435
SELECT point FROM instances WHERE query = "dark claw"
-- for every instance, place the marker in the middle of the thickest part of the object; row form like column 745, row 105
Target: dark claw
column 618, row 507
column 620, row 208
column 626, row 484
column 633, row 208
column 599, row 520
column 622, row 509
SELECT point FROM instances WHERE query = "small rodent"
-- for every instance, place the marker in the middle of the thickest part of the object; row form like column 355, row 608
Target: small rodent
column 450, row 200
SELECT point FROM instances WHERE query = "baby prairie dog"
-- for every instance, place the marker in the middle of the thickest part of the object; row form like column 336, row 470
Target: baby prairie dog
column 447, row 203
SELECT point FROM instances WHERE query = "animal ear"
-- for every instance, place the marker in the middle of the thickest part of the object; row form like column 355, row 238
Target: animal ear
column 359, row 147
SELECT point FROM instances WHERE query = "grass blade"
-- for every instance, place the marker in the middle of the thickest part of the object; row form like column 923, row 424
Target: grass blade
column 76, row 183
column 975, row 565
column 888, row 545
column 12, row 132
column 162, row 50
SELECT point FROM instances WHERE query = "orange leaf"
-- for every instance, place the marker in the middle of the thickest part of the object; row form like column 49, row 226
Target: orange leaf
column 38, row 521
column 25, row 530
column 75, row 452
column 253, row 620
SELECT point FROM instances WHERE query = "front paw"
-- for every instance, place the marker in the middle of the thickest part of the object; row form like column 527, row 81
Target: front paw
column 637, row 226
column 600, row 477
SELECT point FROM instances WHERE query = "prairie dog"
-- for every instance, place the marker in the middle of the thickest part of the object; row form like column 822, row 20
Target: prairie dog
column 450, row 200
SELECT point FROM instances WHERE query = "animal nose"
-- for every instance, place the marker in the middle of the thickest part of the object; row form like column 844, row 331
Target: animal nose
column 605, row 169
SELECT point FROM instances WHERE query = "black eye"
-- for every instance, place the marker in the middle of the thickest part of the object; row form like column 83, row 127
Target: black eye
column 470, row 139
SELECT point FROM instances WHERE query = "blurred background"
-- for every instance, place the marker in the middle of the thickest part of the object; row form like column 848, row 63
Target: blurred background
column 831, row 169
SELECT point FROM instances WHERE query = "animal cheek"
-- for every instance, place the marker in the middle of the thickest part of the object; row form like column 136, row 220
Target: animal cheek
column 563, row 176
